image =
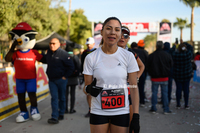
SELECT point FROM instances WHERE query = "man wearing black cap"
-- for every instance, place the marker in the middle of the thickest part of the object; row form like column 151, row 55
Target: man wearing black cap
column 143, row 54
column 123, row 43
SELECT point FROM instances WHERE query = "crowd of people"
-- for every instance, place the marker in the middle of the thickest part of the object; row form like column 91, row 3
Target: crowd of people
column 114, row 78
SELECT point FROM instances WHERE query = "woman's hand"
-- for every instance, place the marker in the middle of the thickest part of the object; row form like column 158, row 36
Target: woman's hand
column 135, row 123
column 92, row 89
column 63, row 78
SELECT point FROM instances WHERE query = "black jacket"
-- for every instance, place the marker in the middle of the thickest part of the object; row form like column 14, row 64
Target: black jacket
column 143, row 54
column 159, row 64
column 84, row 54
column 59, row 64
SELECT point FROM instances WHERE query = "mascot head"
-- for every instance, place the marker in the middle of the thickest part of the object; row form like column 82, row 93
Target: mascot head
column 24, row 35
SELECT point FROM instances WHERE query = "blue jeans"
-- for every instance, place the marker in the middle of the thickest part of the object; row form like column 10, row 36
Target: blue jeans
column 185, row 87
column 58, row 102
column 170, row 88
column 164, row 91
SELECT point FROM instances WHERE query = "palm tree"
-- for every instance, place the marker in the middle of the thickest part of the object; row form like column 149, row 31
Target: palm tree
column 192, row 4
column 181, row 24
column 165, row 21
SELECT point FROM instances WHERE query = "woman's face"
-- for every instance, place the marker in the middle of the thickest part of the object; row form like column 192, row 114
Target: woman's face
column 123, row 41
column 111, row 32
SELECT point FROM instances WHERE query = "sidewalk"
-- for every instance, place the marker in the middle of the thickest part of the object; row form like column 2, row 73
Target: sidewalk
column 180, row 121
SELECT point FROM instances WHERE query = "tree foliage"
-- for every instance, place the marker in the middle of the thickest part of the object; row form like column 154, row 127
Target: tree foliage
column 7, row 15
column 80, row 27
column 192, row 4
column 181, row 24
column 43, row 18
column 150, row 41
column 165, row 21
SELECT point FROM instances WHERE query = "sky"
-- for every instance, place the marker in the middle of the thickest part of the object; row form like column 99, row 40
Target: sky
column 139, row 11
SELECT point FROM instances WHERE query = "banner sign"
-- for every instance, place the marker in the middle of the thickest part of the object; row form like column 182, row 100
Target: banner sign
column 138, row 27
column 8, row 95
column 142, row 27
column 165, row 32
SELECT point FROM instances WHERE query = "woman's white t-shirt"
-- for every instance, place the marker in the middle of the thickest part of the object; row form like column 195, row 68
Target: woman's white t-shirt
column 110, row 70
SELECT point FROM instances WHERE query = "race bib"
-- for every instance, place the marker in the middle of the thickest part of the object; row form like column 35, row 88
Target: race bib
column 112, row 99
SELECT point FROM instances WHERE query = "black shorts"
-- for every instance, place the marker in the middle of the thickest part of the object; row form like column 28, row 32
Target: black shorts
column 118, row 120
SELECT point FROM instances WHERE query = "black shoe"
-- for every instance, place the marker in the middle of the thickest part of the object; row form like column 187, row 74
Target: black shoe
column 187, row 107
column 168, row 112
column 88, row 114
column 61, row 117
column 72, row 111
column 152, row 111
column 53, row 121
column 178, row 107
column 66, row 111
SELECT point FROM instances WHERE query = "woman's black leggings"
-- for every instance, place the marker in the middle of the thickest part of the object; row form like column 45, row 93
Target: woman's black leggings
column 72, row 96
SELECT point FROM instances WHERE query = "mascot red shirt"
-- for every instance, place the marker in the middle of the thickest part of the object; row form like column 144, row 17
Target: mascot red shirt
column 25, row 71
column 24, row 63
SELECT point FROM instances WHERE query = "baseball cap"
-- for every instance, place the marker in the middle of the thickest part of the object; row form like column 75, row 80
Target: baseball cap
column 23, row 26
column 90, row 40
column 141, row 43
column 124, row 28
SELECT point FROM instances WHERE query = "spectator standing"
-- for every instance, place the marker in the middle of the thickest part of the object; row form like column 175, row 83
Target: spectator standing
column 123, row 43
column 158, row 65
column 72, row 80
column 170, row 77
column 59, row 68
column 182, row 71
column 197, row 56
column 90, row 48
column 143, row 54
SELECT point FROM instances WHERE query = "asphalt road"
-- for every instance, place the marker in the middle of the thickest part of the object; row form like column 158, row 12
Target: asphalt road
column 180, row 121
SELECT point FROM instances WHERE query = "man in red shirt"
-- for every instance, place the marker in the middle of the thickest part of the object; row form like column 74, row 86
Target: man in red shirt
column 159, row 64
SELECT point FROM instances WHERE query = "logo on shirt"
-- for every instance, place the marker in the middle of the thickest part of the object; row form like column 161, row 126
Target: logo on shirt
column 25, row 59
column 104, row 93
column 119, row 64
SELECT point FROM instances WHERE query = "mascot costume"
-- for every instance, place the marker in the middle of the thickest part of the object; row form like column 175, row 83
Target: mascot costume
column 25, row 71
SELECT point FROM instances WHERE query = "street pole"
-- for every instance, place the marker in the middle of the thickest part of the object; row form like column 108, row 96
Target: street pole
column 69, row 21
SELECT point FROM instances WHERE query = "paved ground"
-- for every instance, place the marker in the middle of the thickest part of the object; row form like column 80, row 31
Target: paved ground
column 180, row 121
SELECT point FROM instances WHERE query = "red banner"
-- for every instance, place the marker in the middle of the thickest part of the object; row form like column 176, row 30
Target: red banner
column 141, row 27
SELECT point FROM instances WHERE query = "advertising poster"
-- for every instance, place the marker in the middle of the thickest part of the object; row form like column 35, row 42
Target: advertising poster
column 8, row 95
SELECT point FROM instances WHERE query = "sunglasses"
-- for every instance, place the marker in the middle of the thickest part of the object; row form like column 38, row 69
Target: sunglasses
column 52, row 43
column 126, row 36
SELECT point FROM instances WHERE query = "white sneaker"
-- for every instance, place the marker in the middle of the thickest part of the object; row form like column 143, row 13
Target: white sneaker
column 142, row 105
column 22, row 117
column 35, row 114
